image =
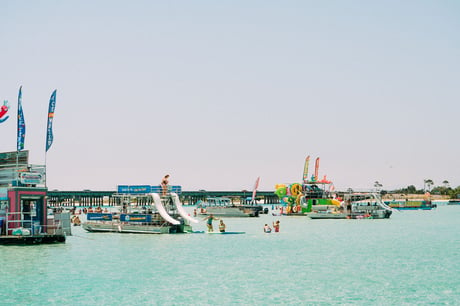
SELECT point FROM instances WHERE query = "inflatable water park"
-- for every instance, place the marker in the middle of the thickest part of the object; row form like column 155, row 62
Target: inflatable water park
column 315, row 198
column 312, row 194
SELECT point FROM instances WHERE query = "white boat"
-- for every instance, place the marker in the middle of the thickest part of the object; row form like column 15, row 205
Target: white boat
column 165, row 216
column 223, row 207
column 327, row 215
column 366, row 205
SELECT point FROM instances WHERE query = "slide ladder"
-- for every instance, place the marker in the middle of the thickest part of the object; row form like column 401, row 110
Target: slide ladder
column 161, row 209
column 181, row 209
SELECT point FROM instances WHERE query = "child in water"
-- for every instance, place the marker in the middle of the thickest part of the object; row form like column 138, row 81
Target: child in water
column 267, row 229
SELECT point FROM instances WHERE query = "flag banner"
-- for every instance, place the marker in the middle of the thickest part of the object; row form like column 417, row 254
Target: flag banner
column 305, row 169
column 256, row 186
column 21, row 123
column 316, row 168
column 49, row 129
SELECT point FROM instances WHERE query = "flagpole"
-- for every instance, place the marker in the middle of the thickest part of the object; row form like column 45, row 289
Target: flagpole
column 17, row 139
column 45, row 171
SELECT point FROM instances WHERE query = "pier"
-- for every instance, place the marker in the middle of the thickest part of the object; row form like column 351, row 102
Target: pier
column 89, row 198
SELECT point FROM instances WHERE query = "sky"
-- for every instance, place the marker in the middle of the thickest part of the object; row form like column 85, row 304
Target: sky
column 218, row 93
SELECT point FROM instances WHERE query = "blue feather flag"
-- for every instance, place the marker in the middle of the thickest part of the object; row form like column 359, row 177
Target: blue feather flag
column 49, row 129
column 21, row 123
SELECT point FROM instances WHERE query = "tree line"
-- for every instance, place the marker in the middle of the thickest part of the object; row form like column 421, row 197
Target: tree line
column 444, row 189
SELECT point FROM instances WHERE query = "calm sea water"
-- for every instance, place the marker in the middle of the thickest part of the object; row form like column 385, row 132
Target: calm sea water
column 411, row 258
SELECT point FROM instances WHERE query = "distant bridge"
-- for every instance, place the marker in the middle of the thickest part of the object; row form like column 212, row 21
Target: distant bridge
column 99, row 198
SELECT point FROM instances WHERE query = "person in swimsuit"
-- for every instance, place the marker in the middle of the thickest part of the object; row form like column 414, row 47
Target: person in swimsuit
column 222, row 226
column 209, row 220
column 164, row 184
column 276, row 226
column 267, row 229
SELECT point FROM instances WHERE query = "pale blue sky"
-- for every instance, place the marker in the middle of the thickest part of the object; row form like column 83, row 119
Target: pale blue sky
column 217, row 93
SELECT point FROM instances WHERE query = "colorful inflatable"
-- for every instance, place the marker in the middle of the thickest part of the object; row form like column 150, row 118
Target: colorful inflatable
column 3, row 110
column 313, row 194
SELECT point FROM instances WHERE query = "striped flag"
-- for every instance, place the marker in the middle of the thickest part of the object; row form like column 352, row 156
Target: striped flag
column 255, row 189
column 21, row 123
column 316, row 168
column 305, row 169
column 49, row 129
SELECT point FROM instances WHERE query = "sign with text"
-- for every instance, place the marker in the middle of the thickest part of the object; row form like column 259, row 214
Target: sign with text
column 31, row 178
column 142, row 189
column 135, row 218
column 98, row 217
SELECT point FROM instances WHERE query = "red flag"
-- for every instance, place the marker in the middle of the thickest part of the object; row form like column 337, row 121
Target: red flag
column 316, row 168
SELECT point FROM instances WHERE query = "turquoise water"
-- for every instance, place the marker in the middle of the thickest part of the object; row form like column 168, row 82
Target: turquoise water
column 411, row 258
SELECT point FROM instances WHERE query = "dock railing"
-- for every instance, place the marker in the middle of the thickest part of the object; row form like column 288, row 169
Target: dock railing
column 21, row 226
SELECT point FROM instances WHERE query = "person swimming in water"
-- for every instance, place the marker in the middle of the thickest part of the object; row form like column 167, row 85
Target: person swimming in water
column 222, row 226
column 267, row 229
column 276, row 226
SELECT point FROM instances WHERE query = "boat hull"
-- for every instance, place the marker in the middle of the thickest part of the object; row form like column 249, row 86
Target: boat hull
column 117, row 227
column 243, row 211
column 32, row 240
column 327, row 216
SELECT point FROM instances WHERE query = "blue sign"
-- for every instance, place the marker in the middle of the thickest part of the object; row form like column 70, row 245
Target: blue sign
column 137, row 189
column 142, row 189
column 135, row 218
column 98, row 217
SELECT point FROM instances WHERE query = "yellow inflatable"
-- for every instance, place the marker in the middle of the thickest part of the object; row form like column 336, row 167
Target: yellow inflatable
column 297, row 200
column 280, row 186
column 296, row 188
column 335, row 202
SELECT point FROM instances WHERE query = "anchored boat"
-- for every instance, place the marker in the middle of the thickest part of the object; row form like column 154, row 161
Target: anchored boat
column 312, row 195
column 143, row 214
column 223, row 207
column 365, row 205
column 411, row 204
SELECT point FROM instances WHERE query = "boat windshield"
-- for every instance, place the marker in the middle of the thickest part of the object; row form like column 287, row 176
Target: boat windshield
column 218, row 202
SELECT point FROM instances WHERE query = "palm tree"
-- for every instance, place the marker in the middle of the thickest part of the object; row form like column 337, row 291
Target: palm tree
column 377, row 185
column 446, row 183
column 428, row 183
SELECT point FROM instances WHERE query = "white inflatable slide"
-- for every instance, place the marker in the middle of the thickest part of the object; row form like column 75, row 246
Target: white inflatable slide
column 162, row 210
column 181, row 209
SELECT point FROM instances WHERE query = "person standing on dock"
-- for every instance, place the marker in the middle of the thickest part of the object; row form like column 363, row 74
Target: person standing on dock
column 164, row 184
